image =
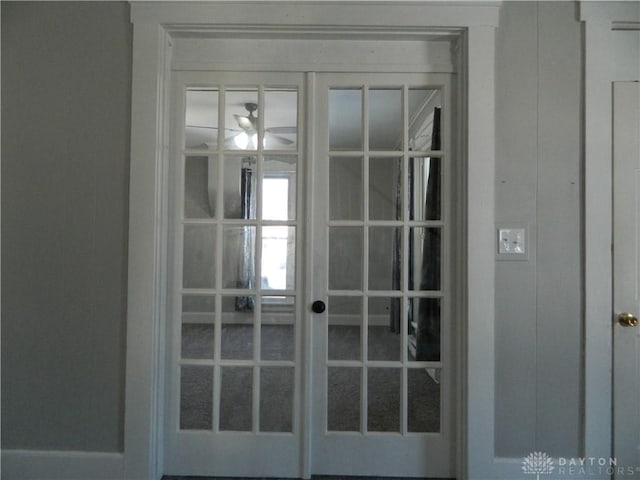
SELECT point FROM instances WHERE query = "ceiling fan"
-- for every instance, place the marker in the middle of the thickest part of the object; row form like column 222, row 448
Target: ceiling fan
column 249, row 123
column 245, row 137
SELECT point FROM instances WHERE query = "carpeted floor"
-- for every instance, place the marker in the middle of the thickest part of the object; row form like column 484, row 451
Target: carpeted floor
column 277, row 384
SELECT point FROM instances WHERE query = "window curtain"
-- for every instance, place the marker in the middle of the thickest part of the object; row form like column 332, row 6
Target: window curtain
column 395, row 307
column 424, row 316
column 246, row 267
column 427, row 332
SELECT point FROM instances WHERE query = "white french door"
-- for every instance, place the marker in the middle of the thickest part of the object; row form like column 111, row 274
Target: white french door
column 382, row 361
column 234, row 371
column 312, row 277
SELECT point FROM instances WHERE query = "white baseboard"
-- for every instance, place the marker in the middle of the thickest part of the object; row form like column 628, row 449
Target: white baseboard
column 61, row 465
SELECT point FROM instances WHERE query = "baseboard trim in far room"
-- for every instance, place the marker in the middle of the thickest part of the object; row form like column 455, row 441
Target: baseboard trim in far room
column 61, row 465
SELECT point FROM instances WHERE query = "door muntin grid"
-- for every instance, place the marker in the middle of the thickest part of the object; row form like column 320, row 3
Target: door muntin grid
column 388, row 256
column 212, row 296
column 237, row 292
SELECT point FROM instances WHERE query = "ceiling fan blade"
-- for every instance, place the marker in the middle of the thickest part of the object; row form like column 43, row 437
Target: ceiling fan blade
column 201, row 126
column 279, row 139
column 205, row 127
column 282, row 130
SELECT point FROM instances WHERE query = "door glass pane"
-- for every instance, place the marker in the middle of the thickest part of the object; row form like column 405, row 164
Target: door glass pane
column 198, row 308
column 424, row 119
column 345, row 119
column 278, row 257
column 200, row 178
column 383, row 335
column 383, row 399
column 423, row 409
column 344, row 328
column 237, row 327
column 241, row 119
column 345, row 258
column 276, row 399
column 345, row 188
column 425, row 184
column 385, row 263
column 424, row 329
column 385, row 119
column 239, row 257
column 343, row 398
column 281, row 120
column 279, row 188
column 201, row 119
column 424, row 258
column 240, row 187
column 196, row 397
column 197, row 340
column 277, row 328
column 198, row 329
column 198, row 256
column 385, row 188
column 236, row 399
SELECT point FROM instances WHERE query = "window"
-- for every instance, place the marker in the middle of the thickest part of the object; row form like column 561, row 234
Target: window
column 278, row 237
column 275, row 238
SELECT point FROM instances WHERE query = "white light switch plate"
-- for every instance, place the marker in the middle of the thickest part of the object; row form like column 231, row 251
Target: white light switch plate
column 512, row 243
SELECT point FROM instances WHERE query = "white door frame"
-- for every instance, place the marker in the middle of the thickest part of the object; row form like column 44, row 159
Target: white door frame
column 604, row 64
column 154, row 23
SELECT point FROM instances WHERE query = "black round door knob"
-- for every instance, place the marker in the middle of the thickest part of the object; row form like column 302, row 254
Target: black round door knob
column 318, row 306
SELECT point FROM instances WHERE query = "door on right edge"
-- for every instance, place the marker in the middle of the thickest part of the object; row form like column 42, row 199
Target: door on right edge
column 626, row 278
column 383, row 263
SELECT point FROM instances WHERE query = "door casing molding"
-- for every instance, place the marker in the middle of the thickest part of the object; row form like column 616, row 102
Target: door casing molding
column 154, row 24
column 604, row 64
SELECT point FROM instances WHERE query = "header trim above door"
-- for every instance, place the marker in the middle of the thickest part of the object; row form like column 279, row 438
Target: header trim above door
column 384, row 14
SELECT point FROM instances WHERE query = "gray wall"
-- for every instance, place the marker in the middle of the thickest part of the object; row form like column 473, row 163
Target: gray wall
column 65, row 115
column 66, row 73
column 538, row 178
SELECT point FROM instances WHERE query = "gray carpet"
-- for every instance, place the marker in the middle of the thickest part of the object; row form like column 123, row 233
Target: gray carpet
column 276, row 396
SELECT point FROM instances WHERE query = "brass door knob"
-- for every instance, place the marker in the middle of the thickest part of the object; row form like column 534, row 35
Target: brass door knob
column 627, row 320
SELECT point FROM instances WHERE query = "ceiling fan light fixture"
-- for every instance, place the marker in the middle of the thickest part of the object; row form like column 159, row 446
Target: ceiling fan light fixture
column 243, row 141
